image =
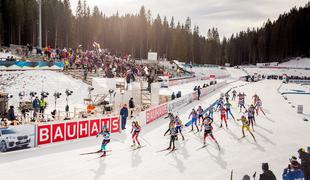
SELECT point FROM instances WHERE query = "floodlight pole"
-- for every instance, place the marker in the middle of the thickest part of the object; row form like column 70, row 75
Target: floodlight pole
column 40, row 24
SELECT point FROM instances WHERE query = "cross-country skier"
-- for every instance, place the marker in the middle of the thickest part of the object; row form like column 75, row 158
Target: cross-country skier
column 243, row 94
column 241, row 101
column 228, row 110
column 179, row 126
column 246, row 125
column 207, row 124
column 227, row 97
column 135, row 131
column 223, row 115
column 173, row 136
column 171, row 118
column 251, row 113
column 210, row 111
column 194, row 116
column 234, row 94
column 255, row 97
column 258, row 106
column 220, row 103
column 106, row 139
column 200, row 114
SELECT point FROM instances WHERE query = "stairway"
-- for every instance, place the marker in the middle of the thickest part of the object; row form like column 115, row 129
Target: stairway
column 79, row 74
column 145, row 96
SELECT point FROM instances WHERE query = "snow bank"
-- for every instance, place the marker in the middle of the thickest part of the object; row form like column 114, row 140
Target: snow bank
column 5, row 55
column 275, row 71
column 297, row 63
column 14, row 82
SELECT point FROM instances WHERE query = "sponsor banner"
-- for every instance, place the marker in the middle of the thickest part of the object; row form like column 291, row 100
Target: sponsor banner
column 204, row 91
column 205, row 78
column 18, row 137
column 179, row 102
column 18, row 65
column 71, row 130
column 182, row 81
column 195, row 95
column 156, row 113
column 299, row 81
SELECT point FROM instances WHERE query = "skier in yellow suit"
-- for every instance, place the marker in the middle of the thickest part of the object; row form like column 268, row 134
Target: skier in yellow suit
column 246, row 125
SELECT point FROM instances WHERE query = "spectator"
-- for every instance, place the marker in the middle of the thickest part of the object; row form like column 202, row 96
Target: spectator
column 267, row 174
column 293, row 172
column 179, row 94
column 305, row 162
column 42, row 106
column 131, row 106
column 124, row 115
column 246, row 177
column 35, row 106
column 172, row 96
column 85, row 74
column 199, row 92
column 11, row 114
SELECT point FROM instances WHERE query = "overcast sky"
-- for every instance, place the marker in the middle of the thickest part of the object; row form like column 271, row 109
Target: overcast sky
column 229, row 16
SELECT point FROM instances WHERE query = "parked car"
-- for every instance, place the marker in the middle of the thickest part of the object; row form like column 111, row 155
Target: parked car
column 9, row 139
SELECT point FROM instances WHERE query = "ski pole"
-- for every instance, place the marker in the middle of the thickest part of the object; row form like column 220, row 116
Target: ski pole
column 145, row 140
column 254, row 175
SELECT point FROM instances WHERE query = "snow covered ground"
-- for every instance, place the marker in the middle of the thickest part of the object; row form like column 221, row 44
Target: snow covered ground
column 273, row 71
column 8, row 54
column 14, row 82
column 5, row 55
column 204, row 71
column 279, row 135
column 297, row 63
column 294, row 100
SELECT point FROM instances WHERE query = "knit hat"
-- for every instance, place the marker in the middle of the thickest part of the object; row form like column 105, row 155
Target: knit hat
column 294, row 162
column 301, row 150
column 265, row 166
column 246, row 177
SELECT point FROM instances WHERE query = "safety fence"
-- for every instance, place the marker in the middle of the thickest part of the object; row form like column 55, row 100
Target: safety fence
column 298, row 81
column 34, row 135
column 193, row 79
column 154, row 113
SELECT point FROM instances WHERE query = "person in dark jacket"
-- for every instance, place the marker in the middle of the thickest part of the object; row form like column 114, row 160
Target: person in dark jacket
column 172, row 96
column 11, row 114
column 267, row 174
column 246, row 177
column 35, row 106
column 131, row 107
column 124, row 115
column 199, row 92
column 305, row 162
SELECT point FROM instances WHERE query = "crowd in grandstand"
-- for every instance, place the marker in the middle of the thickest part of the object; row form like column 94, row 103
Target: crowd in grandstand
column 97, row 59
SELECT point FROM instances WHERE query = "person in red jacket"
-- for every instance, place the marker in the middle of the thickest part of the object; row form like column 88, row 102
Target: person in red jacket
column 223, row 115
column 135, row 131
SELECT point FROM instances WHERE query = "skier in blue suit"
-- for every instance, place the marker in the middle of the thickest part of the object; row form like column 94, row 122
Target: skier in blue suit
column 106, row 139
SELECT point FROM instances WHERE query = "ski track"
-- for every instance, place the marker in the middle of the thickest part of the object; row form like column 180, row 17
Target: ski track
column 279, row 135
